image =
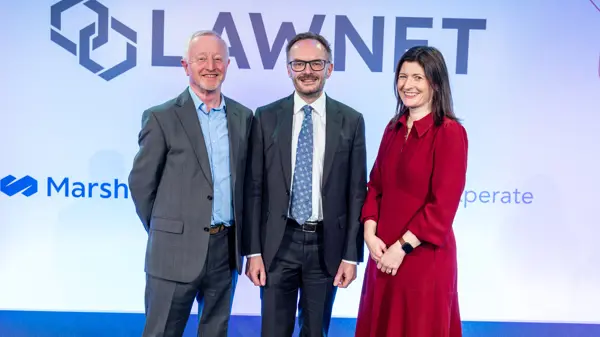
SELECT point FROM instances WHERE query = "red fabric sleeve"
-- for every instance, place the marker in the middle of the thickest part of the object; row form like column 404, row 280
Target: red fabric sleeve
column 370, row 209
column 433, row 222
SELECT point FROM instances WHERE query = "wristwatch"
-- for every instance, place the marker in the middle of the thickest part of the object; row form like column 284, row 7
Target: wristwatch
column 406, row 247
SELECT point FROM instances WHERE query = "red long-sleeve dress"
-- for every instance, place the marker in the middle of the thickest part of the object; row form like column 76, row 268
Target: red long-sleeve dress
column 415, row 184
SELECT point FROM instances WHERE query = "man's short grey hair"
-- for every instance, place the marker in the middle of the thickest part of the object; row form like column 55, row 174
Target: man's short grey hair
column 204, row 33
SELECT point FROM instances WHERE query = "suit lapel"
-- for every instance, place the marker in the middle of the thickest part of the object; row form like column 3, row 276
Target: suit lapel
column 188, row 115
column 284, row 137
column 333, row 126
column 234, row 127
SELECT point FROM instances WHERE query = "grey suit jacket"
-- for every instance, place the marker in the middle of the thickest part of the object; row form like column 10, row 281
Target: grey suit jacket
column 268, row 181
column 171, row 185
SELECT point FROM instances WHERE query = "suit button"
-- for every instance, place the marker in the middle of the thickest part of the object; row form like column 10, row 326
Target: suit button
column 284, row 217
column 209, row 197
column 287, row 193
column 206, row 229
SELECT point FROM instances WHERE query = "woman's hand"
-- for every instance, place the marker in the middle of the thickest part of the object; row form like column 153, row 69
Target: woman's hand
column 391, row 259
column 376, row 247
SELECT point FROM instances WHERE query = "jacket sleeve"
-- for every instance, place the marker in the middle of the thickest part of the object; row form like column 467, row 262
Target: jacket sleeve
column 253, row 189
column 354, row 246
column 148, row 166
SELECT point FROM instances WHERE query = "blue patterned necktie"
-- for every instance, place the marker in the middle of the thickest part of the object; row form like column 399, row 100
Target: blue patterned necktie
column 302, row 183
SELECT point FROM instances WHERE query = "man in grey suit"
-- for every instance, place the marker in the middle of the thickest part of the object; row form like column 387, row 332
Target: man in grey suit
column 187, row 186
column 306, row 183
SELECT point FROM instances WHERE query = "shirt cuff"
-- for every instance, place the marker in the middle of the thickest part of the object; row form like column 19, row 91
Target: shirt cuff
column 252, row 255
column 350, row 262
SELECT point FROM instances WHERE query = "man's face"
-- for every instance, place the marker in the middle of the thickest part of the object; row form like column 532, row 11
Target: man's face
column 206, row 63
column 309, row 67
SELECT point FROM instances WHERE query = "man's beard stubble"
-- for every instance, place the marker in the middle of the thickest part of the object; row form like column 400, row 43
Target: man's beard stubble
column 312, row 93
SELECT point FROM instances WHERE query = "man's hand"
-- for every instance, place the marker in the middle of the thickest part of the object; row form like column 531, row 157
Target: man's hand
column 345, row 275
column 255, row 270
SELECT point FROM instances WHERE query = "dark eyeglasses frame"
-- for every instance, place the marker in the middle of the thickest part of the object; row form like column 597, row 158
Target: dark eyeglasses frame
column 324, row 62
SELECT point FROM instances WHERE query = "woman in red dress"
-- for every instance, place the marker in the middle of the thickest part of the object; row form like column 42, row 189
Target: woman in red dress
column 415, row 187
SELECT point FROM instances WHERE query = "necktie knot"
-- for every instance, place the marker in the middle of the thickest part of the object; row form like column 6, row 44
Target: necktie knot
column 307, row 110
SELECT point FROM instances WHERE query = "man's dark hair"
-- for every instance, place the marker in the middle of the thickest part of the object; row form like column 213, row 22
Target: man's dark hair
column 308, row 36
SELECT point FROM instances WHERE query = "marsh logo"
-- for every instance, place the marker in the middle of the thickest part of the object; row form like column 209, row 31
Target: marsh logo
column 64, row 187
column 98, row 30
column 11, row 186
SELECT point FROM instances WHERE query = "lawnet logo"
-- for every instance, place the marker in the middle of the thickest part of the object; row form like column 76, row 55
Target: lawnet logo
column 66, row 187
column 93, row 36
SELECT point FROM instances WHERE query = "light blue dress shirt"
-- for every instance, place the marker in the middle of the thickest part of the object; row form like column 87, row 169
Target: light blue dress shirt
column 216, row 138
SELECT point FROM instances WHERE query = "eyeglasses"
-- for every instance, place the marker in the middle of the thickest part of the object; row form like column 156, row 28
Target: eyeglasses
column 315, row 65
